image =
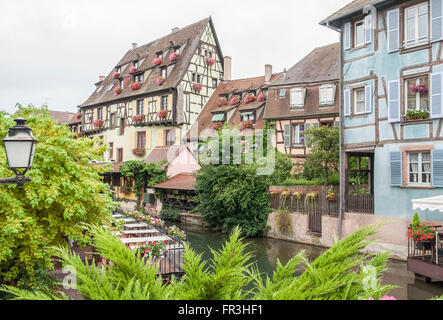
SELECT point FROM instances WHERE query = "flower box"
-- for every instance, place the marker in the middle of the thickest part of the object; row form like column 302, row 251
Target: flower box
column 138, row 118
column 115, row 75
column 247, row 125
column 157, row 61
column 160, row 80
column 312, row 195
column 217, row 125
column 297, row 195
column 249, row 98
column 222, row 102
column 235, row 101
column 210, row 61
column 162, row 114
column 284, row 193
column 197, row 86
column 173, row 56
column 140, row 152
column 417, row 114
column 117, row 90
column 135, row 86
column 273, row 193
column 132, row 69
column 261, row 97
column 98, row 123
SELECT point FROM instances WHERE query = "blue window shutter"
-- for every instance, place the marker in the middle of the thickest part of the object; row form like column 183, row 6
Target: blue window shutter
column 396, row 169
column 368, row 99
column 347, row 36
column 306, row 138
column 436, row 108
column 437, row 168
column 394, row 101
column 436, row 20
column 347, row 102
column 287, row 135
column 369, row 28
column 393, row 22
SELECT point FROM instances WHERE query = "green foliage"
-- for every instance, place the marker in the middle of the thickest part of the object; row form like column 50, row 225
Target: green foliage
column 341, row 273
column 283, row 219
column 334, row 179
column 417, row 114
column 234, row 195
column 66, row 189
column 416, row 220
column 283, row 167
column 324, row 153
column 170, row 213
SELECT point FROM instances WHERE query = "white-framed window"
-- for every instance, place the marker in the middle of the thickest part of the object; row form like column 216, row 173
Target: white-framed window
column 359, row 33
column 417, row 93
column 140, row 106
column 139, row 78
column 282, row 93
column 110, row 87
column 419, row 168
column 327, row 94
column 297, row 99
column 416, row 25
column 135, row 64
column 100, row 113
column 247, row 116
column 164, row 73
column 118, row 69
column 122, row 84
column 297, row 136
column 359, row 101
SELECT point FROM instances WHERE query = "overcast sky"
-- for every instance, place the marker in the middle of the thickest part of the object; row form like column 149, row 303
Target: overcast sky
column 52, row 51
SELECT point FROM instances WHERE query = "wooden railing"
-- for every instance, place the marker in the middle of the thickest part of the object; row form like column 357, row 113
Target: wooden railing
column 362, row 203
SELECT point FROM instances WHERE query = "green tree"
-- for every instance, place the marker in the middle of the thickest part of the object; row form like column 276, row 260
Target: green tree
column 143, row 174
column 324, row 154
column 341, row 273
column 66, row 189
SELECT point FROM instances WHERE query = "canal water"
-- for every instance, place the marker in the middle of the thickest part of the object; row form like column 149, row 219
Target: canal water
column 267, row 251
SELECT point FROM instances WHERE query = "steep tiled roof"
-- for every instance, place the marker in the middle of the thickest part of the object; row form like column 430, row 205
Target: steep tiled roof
column 74, row 119
column 350, row 8
column 322, row 64
column 61, row 117
column 159, row 154
column 188, row 38
column 225, row 88
column 182, row 181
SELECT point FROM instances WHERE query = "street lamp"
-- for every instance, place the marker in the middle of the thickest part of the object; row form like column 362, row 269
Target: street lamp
column 20, row 148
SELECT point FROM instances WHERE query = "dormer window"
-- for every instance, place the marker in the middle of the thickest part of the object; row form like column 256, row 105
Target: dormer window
column 327, row 95
column 159, row 54
column 139, row 78
column 122, row 84
column 218, row 117
column 248, row 116
column 118, row 69
column 177, row 49
column 135, row 64
column 298, row 98
column 164, row 72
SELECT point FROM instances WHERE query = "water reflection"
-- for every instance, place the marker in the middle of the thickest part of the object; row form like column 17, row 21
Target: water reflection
column 268, row 251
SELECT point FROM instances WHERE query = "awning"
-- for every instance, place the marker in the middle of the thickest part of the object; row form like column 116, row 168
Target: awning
column 432, row 204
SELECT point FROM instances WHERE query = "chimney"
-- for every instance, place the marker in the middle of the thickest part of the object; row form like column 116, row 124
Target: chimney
column 134, row 45
column 227, row 71
column 268, row 73
column 284, row 73
column 101, row 78
column 175, row 29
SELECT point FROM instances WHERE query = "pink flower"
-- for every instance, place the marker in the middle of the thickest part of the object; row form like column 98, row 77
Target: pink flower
column 387, row 298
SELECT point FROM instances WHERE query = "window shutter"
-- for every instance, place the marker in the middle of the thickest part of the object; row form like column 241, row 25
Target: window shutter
column 134, row 107
column 436, row 95
column 148, row 139
column 287, row 135
column 160, row 138
column 133, row 137
column 437, row 168
column 177, row 137
column 306, row 138
column 393, row 22
column 394, row 101
column 347, row 36
column 368, row 29
column 347, row 97
column 368, row 99
column 396, row 169
column 436, row 20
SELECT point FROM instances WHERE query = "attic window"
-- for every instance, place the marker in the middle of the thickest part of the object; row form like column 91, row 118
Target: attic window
column 139, row 78
column 99, row 89
column 159, row 54
column 110, row 87
column 298, row 97
column 164, row 73
column 122, row 84
column 135, row 64
column 118, row 69
column 177, row 49
column 218, row 117
column 327, row 94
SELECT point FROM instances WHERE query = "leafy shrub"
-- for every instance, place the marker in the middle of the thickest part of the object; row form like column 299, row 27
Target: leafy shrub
column 170, row 213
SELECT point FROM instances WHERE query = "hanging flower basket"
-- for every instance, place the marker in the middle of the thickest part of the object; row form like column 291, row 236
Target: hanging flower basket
column 157, row 61
column 222, row 102
column 135, row 86
column 249, row 98
column 261, row 97
column 414, row 88
column 197, row 86
column 117, row 90
column 247, row 125
column 297, row 195
column 284, row 193
column 98, row 123
column 330, row 196
column 138, row 118
column 210, row 61
column 235, row 101
column 162, row 114
column 217, row 126
column 312, row 195
column 115, row 75
column 160, row 80
column 132, row 70
column 139, row 152
column 273, row 193
column 173, row 56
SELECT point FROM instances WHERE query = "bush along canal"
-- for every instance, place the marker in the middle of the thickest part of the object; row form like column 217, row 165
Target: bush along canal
column 267, row 251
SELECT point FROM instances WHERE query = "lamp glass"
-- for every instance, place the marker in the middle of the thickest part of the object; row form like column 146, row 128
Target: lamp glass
column 19, row 153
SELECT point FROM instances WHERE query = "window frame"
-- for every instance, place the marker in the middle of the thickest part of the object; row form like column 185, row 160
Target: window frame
column 295, row 104
column 354, row 101
column 111, row 150
column 100, row 113
column 300, row 137
column 163, row 101
column 420, row 172
column 140, row 106
column 141, row 140
column 354, row 26
column 404, row 24
column 418, row 95
column 170, row 142
column 324, row 89
column 164, row 72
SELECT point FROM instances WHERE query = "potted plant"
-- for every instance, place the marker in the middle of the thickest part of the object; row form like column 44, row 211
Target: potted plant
column 138, row 118
column 222, row 101
column 330, row 195
column 273, row 193
column 422, row 234
column 197, row 86
column 217, row 126
column 249, row 98
column 135, row 86
column 160, row 80
column 235, row 100
column 132, row 69
column 162, row 114
column 117, row 90
column 297, row 195
column 98, row 123
column 210, row 61
column 261, row 97
column 312, row 195
column 417, row 114
column 157, row 61
column 140, row 152
column 115, row 75
column 154, row 249
column 247, row 125
column 284, row 193
column 173, row 56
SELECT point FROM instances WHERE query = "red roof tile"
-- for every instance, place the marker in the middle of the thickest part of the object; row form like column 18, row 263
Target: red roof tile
column 182, row 181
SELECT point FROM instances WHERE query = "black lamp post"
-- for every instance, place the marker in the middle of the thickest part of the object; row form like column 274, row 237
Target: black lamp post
column 20, row 148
